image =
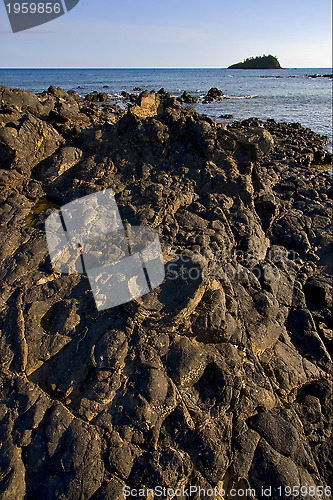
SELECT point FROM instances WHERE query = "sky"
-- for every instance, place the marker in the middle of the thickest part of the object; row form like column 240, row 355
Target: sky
column 173, row 34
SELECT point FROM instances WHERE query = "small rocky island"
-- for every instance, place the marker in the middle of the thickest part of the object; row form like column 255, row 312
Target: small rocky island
column 221, row 377
column 259, row 62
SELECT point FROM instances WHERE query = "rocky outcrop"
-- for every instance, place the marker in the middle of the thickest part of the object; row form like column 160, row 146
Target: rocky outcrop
column 148, row 105
column 97, row 97
column 222, row 376
column 129, row 97
column 213, row 94
column 187, row 98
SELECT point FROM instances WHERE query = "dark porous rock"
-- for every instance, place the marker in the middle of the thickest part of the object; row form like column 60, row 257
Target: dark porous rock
column 71, row 447
column 188, row 98
column 110, row 352
column 63, row 112
column 318, row 290
column 313, row 406
column 202, row 134
column 15, row 102
column 30, row 143
column 219, row 377
column 58, row 163
column 306, row 338
column 57, row 91
column 213, row 94
column 273, row 469
column 186, row 361
column 114, row 489
column 213, row 322
column 129, row 97
column 267, row 208
column 284, row 438
column 97, row 97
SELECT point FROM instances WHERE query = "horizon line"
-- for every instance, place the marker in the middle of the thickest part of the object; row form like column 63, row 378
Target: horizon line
column 160, row 67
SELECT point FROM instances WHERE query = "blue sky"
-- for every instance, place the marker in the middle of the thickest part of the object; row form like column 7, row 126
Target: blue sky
column 183, row 33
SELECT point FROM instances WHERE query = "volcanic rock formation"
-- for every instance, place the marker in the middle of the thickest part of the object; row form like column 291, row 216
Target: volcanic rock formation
column 222, row 376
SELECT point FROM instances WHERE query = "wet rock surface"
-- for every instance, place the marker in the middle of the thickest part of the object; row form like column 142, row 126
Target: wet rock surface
column 213, row 94
column 220, row 377
column 187, row 98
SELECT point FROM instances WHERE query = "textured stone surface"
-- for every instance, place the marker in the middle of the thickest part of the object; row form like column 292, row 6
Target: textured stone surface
column 222, row 375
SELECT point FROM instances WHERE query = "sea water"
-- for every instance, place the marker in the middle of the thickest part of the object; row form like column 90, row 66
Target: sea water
column 287, row 95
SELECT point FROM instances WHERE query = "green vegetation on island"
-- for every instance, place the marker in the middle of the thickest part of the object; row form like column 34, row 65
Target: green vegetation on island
column 259, row 62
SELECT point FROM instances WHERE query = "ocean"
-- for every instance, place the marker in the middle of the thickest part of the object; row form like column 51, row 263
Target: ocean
column 287, row 95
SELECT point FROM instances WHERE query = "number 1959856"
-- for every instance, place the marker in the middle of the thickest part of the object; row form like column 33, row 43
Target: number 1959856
column 33, row 8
